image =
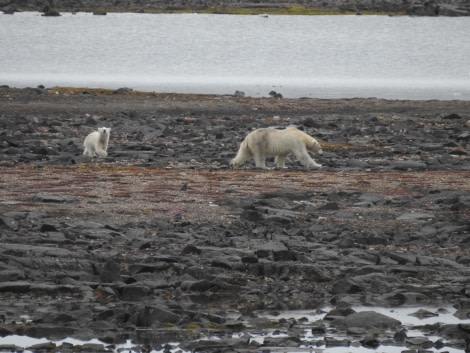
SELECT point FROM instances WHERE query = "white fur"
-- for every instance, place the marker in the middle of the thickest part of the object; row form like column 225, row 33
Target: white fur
column 96, row 143
column 269, row 142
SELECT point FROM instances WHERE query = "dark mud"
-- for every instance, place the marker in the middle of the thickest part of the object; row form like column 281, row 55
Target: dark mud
column 162, row 242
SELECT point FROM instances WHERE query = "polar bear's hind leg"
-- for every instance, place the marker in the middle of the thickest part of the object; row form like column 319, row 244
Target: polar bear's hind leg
column 88, row 152
column 89, row 144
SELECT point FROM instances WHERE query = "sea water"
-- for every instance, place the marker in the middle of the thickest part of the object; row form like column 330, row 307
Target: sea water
column 397, row 57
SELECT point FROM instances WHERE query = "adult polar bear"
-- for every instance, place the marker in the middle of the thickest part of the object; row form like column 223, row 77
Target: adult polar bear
column 269, row 142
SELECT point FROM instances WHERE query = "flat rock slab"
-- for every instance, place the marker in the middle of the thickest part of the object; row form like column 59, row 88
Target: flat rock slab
column 54, row 198
column 411, row 216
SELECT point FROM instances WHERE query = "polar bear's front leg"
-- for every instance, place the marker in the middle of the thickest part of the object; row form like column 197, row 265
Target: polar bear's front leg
column 260, row 160
column 305, row 159
column 102, row 153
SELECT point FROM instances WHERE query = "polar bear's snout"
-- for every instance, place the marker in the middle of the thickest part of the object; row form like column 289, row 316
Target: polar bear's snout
column 320, row 151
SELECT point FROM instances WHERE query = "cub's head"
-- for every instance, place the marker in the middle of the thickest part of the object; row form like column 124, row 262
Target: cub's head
column 104, row 130
column 314, row 147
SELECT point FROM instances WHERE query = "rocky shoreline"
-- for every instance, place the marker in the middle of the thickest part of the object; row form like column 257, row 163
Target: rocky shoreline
column 162, row 242
column 101, row 7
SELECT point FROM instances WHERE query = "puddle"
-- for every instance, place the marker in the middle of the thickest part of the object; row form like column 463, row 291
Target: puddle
column 409, row 316
column 412, row 318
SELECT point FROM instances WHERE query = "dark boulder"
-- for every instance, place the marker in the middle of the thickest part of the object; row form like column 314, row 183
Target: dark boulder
column 370, row 320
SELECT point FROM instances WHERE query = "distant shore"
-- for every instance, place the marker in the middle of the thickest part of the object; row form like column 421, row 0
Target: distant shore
column 314, row 7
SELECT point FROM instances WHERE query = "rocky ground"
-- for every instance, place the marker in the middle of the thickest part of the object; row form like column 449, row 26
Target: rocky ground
column 162, row 242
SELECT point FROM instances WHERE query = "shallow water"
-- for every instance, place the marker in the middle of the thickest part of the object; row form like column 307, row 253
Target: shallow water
column 404, row 314
column 297, row 56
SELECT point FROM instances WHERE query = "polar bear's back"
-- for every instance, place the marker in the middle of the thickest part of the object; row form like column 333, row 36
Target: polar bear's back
column 275, row 141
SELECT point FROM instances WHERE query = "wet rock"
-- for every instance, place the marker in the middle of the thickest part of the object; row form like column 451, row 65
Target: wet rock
column 289, row 341
column 400, row 335
column 338, row 313
column 287, row 194
column 252, row 216
column 421, row 313
column 110, row 272
column 452, row 116
column 453, row 10
column 422, row 342
column 148, row 316
column 53, row 198
column 367, row 199
column 15, row 286
column 411, row 216
column 370, row 341
column 134, row 292
column 53, row 331
column 50, row 12
column 401, row 258
column 407, row 298
column 334, row 342
column 8, row 223
column 369, row 320
column 330, row 206
column 408, row 165
column 345, row 285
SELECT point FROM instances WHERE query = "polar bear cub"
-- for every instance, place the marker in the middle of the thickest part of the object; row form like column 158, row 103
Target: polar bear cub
column 97, row 142
column 269, row 142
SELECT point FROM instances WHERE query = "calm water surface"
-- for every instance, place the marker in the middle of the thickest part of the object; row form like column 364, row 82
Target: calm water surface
column 443, row 316
column 298, row 56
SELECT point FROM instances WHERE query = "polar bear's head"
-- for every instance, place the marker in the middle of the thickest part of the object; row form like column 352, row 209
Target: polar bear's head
column 104, row 130
column 314, row 146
